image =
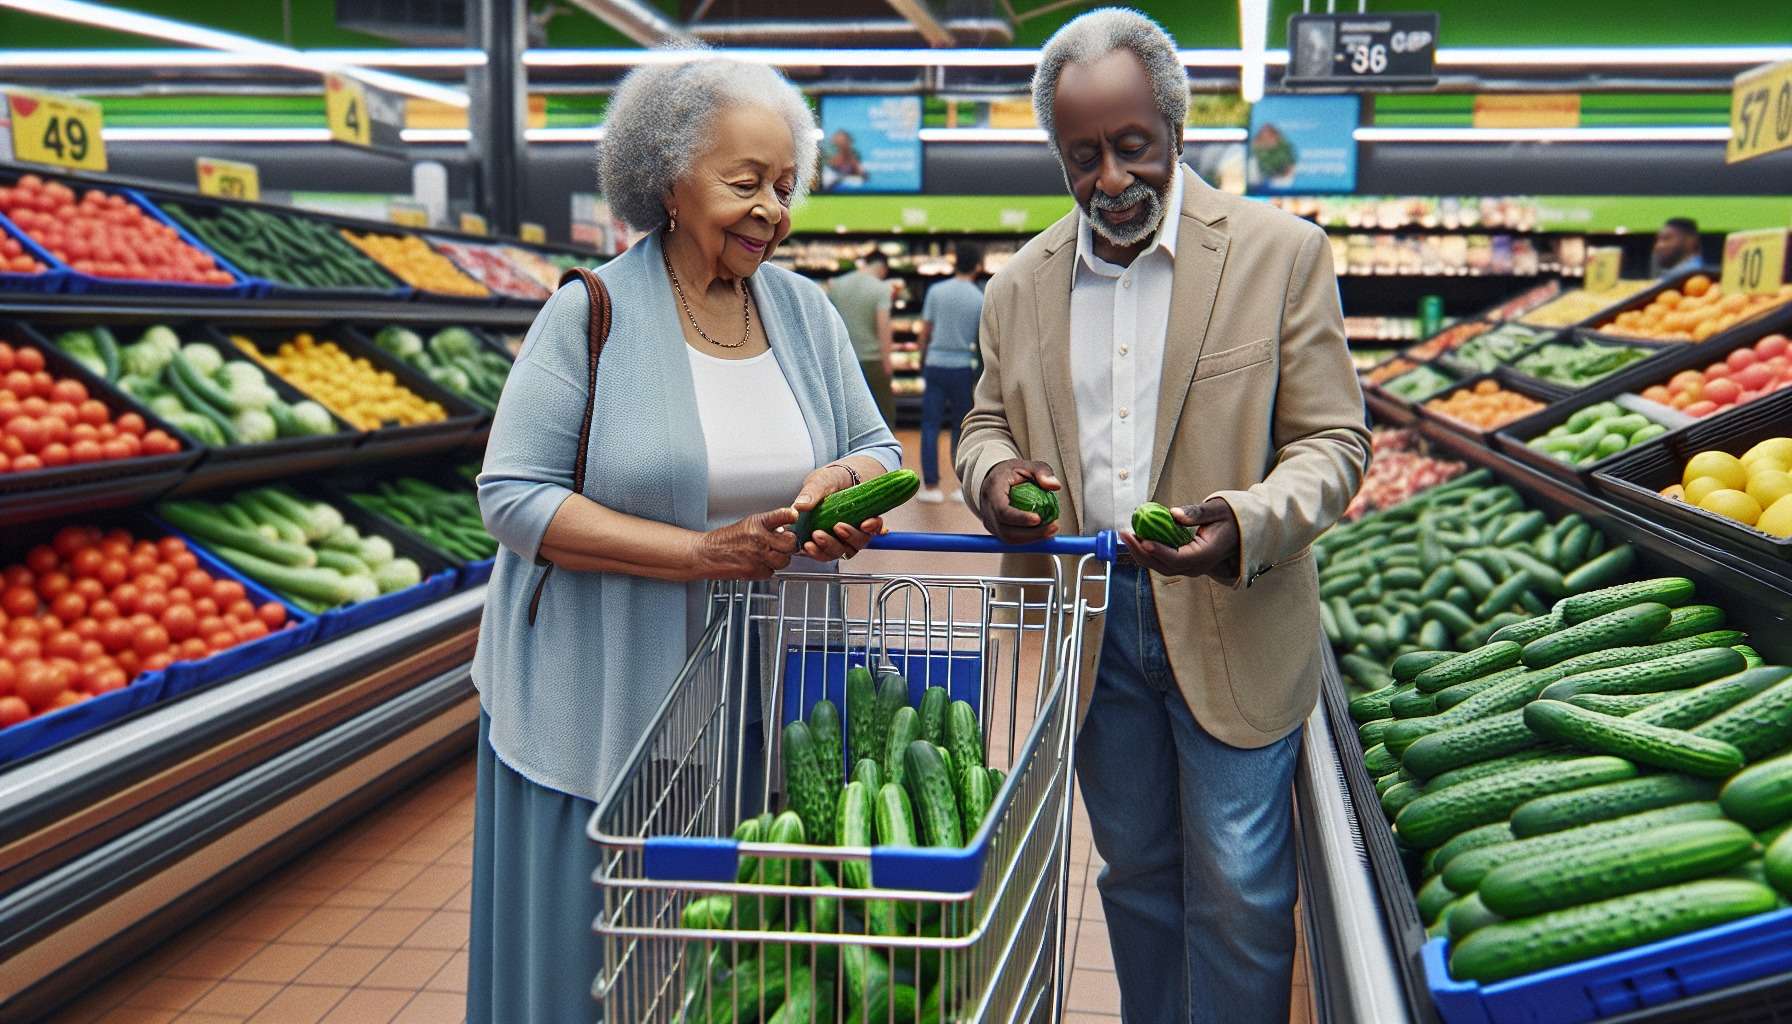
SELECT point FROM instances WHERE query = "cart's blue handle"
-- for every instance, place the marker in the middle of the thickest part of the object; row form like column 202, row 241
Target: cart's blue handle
column 1104, row 545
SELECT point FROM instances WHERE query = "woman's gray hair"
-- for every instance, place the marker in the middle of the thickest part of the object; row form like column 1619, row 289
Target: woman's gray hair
column 1092, row 36
column 659, row 119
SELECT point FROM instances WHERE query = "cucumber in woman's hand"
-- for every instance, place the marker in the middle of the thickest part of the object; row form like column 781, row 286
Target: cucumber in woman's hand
column 858, row 503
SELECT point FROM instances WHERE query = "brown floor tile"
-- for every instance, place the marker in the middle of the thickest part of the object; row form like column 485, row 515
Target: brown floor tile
column 236, row 998
column 368, row 1006
column 210, row 1018
column 387, row 878
column 133, row 1015
column 300, row 1004
column 216, row 958
column 279, row 962
column 265, row 923
column 296, row 894
column 343, row 965
column 324, row 925
column 452, row 977
column 386, row 928
column 445, row 929
column 462, row 900
column 432, row 887
column 407, row 969
column 433, row 1008
column 421, row 851
column 1084, row 1017
column 170, row 993
column 333, row 872
column 1094, row 991
column 360, row 899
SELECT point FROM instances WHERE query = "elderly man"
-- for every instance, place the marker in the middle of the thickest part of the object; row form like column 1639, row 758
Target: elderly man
column 1167, row 341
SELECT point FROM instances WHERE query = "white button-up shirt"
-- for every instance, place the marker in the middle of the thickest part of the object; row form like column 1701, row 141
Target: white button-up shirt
column 1118, row 317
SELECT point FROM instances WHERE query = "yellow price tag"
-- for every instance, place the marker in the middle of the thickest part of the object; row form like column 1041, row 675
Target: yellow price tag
column 1754, row 261
column 473, row 224
column 1760, row 112
column 50, row 128
column 228, row 179
column 1603, row 266
column 407, row 214
column 532, row 233
column 345, row 109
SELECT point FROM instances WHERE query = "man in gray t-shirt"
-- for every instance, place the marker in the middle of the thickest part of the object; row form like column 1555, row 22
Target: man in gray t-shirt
column 949, row 318
column 863, row 298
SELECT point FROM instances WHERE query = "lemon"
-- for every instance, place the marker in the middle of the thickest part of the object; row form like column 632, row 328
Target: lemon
column 1732, row 504
column 1765, row 463
column 1779, row 448
column 1769, row 486
column 1700, row 487
column 1777, row 520
column 1719, row 465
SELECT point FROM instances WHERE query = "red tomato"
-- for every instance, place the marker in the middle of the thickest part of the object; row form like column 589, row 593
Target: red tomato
column 39, row 685
column 129, row 662
column 27, row 464
column 1723, row 391
column 8, row 677
column 113, row 450
column 107, row 679
column 181, row 595
column 69, row 541
column 1756, row 377
column 102, row 610
column 180, row 622
column 150, row 640
column 254, row 629
column 1766, row 348
column 68, row 390
column 19, row 383
column 131, row 423
column 1697, row 409
column 240, row 611
column 28, row 432
column 158, row 442
column 23, row 649
column 90, row 590
column 86, row 563
column 225, row 592
column 205, row 606
column 152, row 582
column 90, row 649
column 67, row 699
column 193, row 648
column 28, row 359
column 65, row 644
column 27, row 627
column 13, row 710
column 17, row 576
column 42, row 559
column 18, row 602
column 69, row 606
column 51, row 586
column 93, row 412
column 168, row 574
column 116, row 635
column 221, row 640
column 197, row 581
column 1717, row 369
column 185, row 562
column 7, row 358
column 114, row 572
column 142, row 563
column 56, row 453
column 158, row 661
column 1742, row 358
column 272, row 614
column 153, row 603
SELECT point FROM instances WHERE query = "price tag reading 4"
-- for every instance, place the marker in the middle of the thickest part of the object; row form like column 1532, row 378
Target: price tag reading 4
column 345, row 108
column 1602, row 268
column 229, row 179
column 49, row 128
column 1754, row 262
column 1760, row 112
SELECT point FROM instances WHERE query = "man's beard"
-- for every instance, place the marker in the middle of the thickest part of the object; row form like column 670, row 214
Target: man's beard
column 1139, row 229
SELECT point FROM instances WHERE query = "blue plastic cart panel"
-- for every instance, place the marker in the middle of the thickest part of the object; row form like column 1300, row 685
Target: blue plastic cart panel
column 36, row 735
column 1622, row 982
column 810, row 674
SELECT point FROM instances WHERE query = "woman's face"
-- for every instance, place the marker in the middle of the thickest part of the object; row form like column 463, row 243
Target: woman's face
column 734, row 204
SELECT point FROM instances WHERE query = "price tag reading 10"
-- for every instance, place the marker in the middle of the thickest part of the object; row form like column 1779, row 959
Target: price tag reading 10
column 1754, row 262
column 48, row 128
column 1760, row 112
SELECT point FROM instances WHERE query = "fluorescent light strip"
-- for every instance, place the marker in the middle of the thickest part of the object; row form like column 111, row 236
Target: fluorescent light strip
column 592, row 134
column 1690, row 133
column 956, row 135
column 436, row 135
column 867, row 58
column 118, row 20
column 215, row 134
column 159, row 58
column 1611, row 56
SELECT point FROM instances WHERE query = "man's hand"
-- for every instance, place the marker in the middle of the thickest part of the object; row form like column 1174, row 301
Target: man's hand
column 1005, row 522
column 1212, row 552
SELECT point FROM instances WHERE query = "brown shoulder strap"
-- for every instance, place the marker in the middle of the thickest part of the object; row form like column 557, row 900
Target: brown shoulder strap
column 597, row 332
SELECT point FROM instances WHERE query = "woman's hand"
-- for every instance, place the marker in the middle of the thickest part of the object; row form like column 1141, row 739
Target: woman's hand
column 751, row 549
column 846, row 541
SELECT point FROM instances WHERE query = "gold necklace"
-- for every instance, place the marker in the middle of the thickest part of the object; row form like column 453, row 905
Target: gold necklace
column 746, row 309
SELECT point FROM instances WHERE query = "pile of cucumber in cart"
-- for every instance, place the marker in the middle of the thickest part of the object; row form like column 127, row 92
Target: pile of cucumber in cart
column 1576, row 757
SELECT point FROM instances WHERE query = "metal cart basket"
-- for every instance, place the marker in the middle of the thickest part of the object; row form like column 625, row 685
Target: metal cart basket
column 698, row 926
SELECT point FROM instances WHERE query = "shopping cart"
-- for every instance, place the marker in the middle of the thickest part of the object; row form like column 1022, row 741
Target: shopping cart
column 978, row 932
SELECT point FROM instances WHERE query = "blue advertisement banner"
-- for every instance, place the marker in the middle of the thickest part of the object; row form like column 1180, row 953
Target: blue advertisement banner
column 1303, row 144
column 870, row 144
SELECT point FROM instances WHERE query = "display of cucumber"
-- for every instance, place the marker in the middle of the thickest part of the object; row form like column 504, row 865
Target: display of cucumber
column 1692, row 620
column 964, row 736
column 1618, row 703
column 892, row 694
column 905, row 728
column 1612, row 800
column 1602, row 569
column 852, row 506
column 1464, row 667
column 1379, row 761
column 1674, row 672
column 1760, row 796
column 870, row 773
column 1667, row 590
column 1530, row 629
column 861, row 713
column 1672, row 749
column 824, row 727
column 1513, row 948
column 1370, row 733
column 1373, row 705
column 1413, row 704
column 1451, row 696
column 1435, row 817
column 1758, row 726
column 1629, row 625
column 1464, row 873
column 1433, row 896
column 1488, row 738
column 1777, row 864
column 805, row 786
column 1028, row 496
column 854, row 825
column 1407, row 666
column 1152, row 521
column 934, row 701
column 1496, row 765
column 1491, row 834
column 936, row 806
column 1398, row 796
column 976, row 795
column 1467, row 915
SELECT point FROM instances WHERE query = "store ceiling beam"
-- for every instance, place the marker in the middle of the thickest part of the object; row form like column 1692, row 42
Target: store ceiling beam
column 636, row 20
column 918, row 14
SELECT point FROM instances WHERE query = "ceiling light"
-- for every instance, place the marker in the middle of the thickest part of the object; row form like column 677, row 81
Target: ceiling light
column 848, row 58
column 160, row 58
column 1687, row 133
column 1611, row 56
column 215, row 134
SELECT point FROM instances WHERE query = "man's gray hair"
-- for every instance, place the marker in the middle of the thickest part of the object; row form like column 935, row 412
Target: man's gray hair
column 660, row 118
column 1092, row 36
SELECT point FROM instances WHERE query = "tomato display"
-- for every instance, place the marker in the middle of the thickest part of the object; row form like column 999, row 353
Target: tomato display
column 90, row 610
column 15, row 260
column 48, row 421
column 104, row 234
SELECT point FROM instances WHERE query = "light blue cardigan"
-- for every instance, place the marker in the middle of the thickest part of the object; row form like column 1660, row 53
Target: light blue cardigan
column 570, row 696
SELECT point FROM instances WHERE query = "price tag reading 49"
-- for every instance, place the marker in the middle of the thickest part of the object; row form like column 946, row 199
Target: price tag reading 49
column 50, row 128
column 1754, row 262
column 1760, row 112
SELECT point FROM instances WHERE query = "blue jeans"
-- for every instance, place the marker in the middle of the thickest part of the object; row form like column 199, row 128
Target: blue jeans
column 946, row 398
column 1198, row 838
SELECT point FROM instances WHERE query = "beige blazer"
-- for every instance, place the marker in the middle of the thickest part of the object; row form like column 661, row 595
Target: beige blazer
column 1259, row 405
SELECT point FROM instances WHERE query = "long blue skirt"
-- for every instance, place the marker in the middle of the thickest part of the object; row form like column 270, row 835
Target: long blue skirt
column 533, row 955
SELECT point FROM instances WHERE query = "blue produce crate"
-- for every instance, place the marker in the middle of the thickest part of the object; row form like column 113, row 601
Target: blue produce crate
column 187, row 676
column 49, row 282
column 474, row 573
column 960, row 672
column 36, row 735
column 1629, row 980
column 81, row 284
column 338, row 621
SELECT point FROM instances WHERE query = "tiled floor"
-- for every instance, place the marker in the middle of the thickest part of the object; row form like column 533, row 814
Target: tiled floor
column 371, row 927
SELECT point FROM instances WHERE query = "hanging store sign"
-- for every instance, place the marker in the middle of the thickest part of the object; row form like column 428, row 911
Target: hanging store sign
column 1302, row 144
column 56, row 129
column 1754, row 262
column 1760, row 112
column 363, row 115
column 1603, row 266
column 1361, row 51
column 228, row 179
column 871, row 143
column 1528, row 110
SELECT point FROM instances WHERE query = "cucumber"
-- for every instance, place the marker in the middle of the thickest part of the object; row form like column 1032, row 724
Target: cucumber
column 1370, row 733
column 1505, row 596
column 1433, row 896
column 1758, row 726
column 1453, row 619
column 870, row 773
column 1521, row 528
column 1692, row 620
column 1506, row 695
column 1667, row 590
column 860, row 502
column 1620, row 704
column 1152, row 521
column 1631, row 625
column 1380, row 761
column 905, row 728
column 935, row 805
column 1494, row 766
column 1454, row 695
column 1528, row 630
column 1373, row 705
column 1340, row 584
column 824, row 727
column 892, row 693
column 1777, row 864
column 1613, row 800
column 1402, row 577
column 934, row 701
column 861, row 713
column 854, row 825
column 1760, row 796
column 1494, row 736
column 1468, row 915
column 1464, row 667
column 1028, row 496
column 1398, row 797
column 1674, row 672
column 1470, row 574
column 1434, row 635
column 1543, row 574
column 1491, row 834
column 1670, row 749
column 1407, row 666
column 1750, row 655
column 1435, row 817
column 1387, row 782
column 977, row 795
column 1601, row 570
column 1685, row 710
column 964, row 736
column 1513, row 948
column 1464, row 873
column 1438, row 583
column 804, row 783
column 1366, row 671
column 1413, row 704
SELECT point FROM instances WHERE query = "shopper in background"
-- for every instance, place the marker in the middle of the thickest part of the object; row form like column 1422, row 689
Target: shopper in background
column 949, row 318
column 862, row 295
column 1677, row 248
column 1168, row 341
column 723, row 385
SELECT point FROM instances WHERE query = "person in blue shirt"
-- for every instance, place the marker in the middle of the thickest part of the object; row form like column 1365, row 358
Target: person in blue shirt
column 949, row 318
column 1677, row 247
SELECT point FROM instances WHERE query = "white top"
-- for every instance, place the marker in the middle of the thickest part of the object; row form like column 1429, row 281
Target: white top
column 1118, row 317
column 758, row 441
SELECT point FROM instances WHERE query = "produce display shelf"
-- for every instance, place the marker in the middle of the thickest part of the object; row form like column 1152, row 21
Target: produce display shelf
column 337, row 488
column 98, row 309
column 1654, row 354
column 1479, row 433
column 50, row 280
column 1513, row 439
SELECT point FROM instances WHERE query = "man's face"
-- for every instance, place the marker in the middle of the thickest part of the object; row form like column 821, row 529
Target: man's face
column 1672, row 245
column 1118, row 153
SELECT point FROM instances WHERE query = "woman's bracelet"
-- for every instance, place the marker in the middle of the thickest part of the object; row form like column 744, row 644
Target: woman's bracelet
column 849, row 472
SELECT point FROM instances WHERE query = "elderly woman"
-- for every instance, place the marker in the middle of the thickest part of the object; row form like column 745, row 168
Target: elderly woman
column 727, row 400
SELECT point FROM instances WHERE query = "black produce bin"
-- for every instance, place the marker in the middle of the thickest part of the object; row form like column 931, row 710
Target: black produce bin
column 1610, row 384
column 1513, row 437
column 55, row 492
column 1635, row 481
column 1637, row 301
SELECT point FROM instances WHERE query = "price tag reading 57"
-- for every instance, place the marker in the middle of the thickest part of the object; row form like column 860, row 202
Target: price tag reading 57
column 1760, row 112
column 49, row 128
